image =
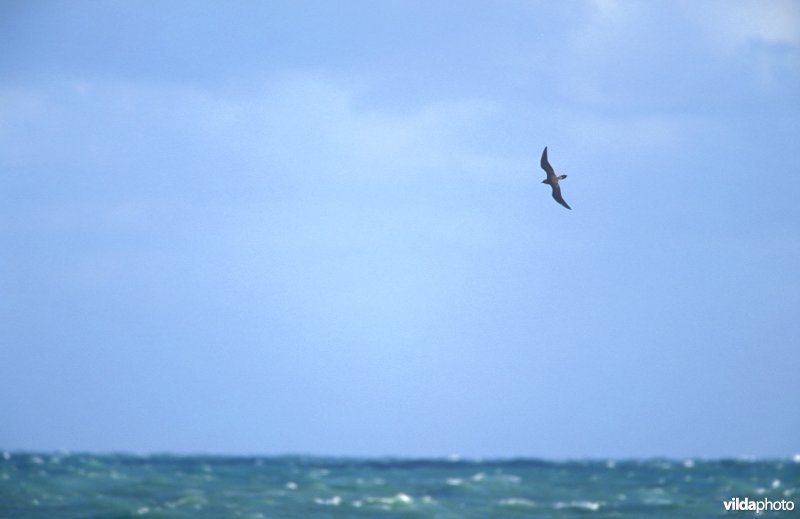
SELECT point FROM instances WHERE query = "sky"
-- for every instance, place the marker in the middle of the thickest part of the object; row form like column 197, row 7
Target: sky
column 312, row 227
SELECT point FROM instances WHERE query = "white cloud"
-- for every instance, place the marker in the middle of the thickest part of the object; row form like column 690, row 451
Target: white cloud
column 295, row 123
column 682, row 56
column 762, row 36
column 105, row 155
column 307, row 119
column 738, row 23
column 729, row 22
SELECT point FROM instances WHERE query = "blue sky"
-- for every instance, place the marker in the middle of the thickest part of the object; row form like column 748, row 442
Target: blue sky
column 318, row 227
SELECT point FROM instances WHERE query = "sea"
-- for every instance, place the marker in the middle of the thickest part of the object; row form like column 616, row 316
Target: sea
column 62, row 485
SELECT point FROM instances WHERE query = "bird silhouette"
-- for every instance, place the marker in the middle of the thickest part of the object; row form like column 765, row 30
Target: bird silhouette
column 553, row 179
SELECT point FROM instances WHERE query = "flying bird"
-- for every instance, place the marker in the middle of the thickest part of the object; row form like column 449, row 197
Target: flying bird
column 553, row 179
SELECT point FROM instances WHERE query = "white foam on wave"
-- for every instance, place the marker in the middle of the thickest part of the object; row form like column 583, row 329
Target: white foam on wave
column 195, row 500
column 656, row 497
column 6, row 455
column 796, row 458
column 517, row 502
column 657, row 501
column 591, row 506
column 291, row 485
column 388, row 502
column 333, row 501
column 404, row 498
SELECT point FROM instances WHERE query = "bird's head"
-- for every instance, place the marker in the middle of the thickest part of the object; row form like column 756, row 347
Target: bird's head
column 544, row 181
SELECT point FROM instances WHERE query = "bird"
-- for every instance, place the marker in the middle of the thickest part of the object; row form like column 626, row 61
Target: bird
column 553, row 179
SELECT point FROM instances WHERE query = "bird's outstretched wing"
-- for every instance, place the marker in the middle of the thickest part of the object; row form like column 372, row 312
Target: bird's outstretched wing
column 546, row 165
column 558, row 197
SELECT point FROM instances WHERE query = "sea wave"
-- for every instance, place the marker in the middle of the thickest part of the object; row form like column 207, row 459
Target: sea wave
column 41, row 485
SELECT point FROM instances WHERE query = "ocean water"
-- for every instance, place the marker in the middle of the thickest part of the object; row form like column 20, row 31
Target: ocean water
column 122, row 486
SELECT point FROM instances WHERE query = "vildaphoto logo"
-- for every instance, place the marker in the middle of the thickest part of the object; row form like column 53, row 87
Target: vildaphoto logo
column 760, row 505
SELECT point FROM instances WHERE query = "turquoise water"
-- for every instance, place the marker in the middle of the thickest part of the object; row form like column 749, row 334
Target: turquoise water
column 90, row 486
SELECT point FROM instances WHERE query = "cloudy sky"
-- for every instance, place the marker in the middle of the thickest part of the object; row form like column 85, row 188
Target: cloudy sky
column 318, row 227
